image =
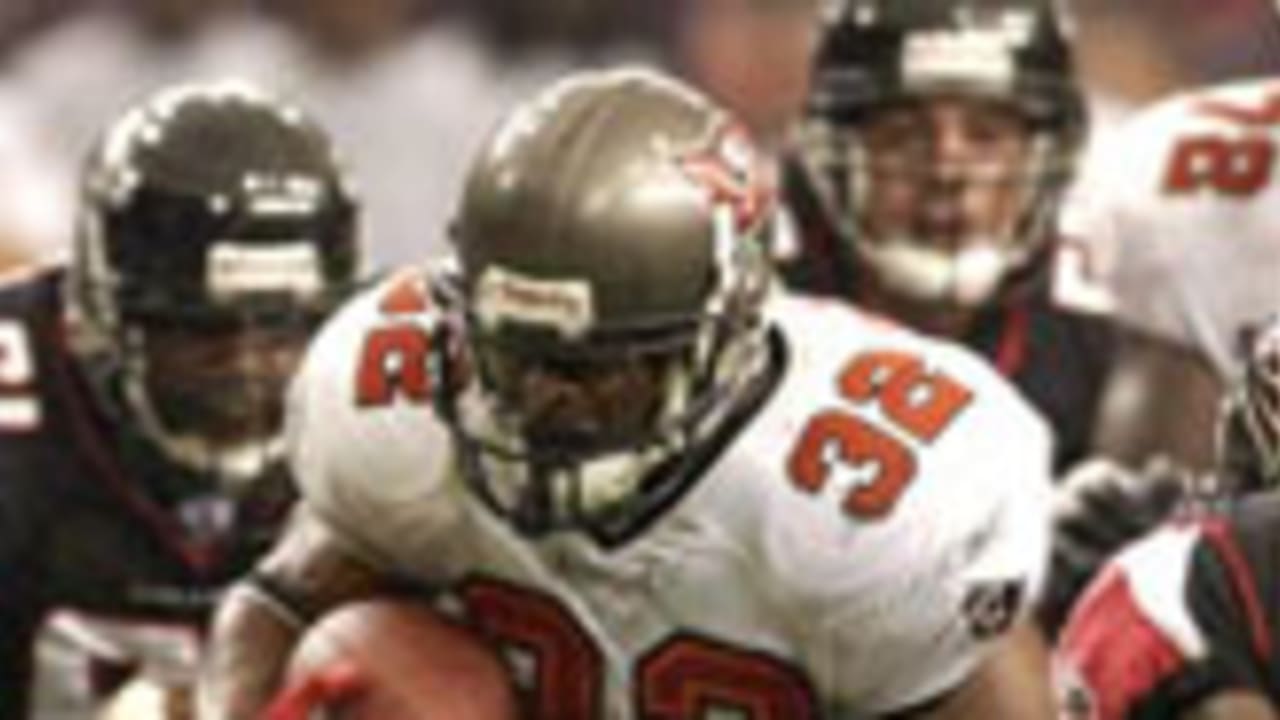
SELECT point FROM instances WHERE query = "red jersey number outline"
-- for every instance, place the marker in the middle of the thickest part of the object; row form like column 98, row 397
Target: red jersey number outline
column 681, row 676
column 918, row 406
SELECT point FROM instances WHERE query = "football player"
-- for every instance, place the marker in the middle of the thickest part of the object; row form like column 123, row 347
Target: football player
column 666, row 488
column 1183, row 624
column 141, row 388
column 1178, row 215
column 937, row 141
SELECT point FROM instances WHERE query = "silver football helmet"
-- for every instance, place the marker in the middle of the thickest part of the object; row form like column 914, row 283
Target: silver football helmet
column 611, row 286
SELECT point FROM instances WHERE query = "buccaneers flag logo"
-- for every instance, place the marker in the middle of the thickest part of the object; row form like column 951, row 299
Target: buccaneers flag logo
column 732, row 172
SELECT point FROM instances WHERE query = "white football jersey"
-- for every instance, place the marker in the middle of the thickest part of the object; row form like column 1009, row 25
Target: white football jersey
column 851, row 550
column 1178, row 216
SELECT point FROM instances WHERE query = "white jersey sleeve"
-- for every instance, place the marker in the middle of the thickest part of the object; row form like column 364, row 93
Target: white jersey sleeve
column 1176, row 216
column 911, row 603
column 369, row 453
column 956, row 599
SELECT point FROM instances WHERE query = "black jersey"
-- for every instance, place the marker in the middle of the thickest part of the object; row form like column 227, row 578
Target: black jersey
column 1058, row 357
column 100, row 539
column 1190, row 610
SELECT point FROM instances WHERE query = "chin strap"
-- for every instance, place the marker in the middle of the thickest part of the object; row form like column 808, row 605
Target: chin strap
column 968, row 277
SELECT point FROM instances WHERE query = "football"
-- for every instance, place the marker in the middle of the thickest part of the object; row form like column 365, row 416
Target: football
column 394, row 660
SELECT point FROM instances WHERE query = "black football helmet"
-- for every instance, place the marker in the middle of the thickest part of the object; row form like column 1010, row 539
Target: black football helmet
column 879, row 54
column 216, row 230
column 1249, row 430
column 611, row 282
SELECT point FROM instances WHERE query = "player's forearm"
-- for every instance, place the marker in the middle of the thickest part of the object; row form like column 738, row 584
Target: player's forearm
column 250, row 643
column 306, row 574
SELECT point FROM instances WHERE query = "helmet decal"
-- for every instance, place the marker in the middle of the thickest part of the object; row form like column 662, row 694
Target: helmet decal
column 238, row 269
column 507, row 296
column 979, row 56
column 730, row 171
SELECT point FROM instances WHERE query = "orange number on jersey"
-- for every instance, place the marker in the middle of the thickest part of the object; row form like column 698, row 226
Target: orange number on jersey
column 1239, row 167
column 880, row 466
column 684, row 677
column 395, row 360
column 892, row 465
column 920, row 403
column 568, row 672
column 687, row 675
column 1233, row 166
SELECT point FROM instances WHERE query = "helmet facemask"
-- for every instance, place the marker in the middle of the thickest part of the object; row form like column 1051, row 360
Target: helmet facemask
column 216, row 230
column 213, row 398
column 939, row 144
column 567, row 432
column 939, row 260
column 201, row 381
column 563, row 427
column 1249, row 430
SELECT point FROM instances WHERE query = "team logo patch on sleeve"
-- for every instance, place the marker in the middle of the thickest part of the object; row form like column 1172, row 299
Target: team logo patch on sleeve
column 991, row 605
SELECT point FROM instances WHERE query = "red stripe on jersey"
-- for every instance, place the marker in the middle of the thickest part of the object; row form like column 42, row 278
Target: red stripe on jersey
column 1115, row 649
column 1224, row 543
column 1011, row 354
column 199, row 558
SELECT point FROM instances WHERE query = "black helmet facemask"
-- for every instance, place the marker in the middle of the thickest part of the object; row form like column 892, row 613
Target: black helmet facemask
column 880, row 54
column 215, row 234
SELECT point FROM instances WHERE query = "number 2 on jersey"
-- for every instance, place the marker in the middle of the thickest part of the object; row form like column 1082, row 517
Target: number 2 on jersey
column 394, row 358
column 878, row 463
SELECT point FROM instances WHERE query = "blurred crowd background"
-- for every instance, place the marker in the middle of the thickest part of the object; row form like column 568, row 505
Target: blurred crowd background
column 408, row 87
